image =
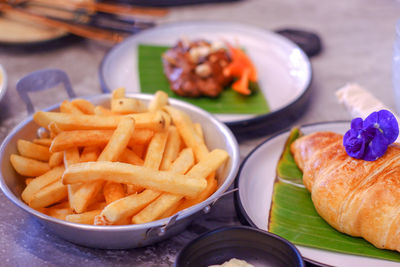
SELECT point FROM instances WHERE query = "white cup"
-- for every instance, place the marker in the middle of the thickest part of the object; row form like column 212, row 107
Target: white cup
column 396, row 66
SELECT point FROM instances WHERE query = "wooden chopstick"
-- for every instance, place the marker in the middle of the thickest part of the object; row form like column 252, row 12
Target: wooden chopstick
column 80, row 30
column 117, row 9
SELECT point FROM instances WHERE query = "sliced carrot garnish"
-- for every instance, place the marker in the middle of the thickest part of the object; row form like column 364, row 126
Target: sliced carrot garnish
column 242, row 68
column 242, row 85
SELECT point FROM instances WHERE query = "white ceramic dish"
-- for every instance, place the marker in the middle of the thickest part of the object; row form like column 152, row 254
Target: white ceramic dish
column 255, row 181
column 3, row 81
column 284, row 69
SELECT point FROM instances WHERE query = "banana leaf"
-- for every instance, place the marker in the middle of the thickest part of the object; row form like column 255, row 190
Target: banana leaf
column 294, row 217
column 152, row 79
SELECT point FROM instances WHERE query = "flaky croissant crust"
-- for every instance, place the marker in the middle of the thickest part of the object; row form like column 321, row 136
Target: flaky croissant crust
column 356, row 197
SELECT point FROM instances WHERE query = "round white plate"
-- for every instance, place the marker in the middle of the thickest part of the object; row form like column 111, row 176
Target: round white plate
column 255, row 182
column 283, row 68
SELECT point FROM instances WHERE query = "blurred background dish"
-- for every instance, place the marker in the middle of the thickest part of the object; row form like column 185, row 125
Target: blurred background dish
column 37, row 21
column 16, row 31
column 3, row 81
column 284, row 70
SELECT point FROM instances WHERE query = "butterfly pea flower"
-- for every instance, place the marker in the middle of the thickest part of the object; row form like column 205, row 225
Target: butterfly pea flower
column 369, row 139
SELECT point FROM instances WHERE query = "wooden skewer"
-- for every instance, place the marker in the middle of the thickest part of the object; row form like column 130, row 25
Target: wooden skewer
column 80, row 30
column 107, row 8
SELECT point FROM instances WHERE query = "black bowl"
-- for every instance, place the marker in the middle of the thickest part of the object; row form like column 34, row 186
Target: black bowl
column 255, row 246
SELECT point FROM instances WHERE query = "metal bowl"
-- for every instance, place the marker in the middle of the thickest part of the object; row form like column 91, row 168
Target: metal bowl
column 256, row 247
column 216, row 134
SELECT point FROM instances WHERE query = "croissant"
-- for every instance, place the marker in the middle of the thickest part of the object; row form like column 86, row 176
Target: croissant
column 356, row 197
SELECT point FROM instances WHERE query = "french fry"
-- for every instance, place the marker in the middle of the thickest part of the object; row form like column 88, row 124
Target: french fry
column 68, row 122
column 137, row 175
column 154, row 153
column 159, row 100
column 83, row 194
column 139, row 149
column 32, row 150
column 206, row 168
column 69, row 139
column 166, row 201
column 154, row 157
column 155, row 150
column 167, row 118
column 123, row 221
column 49, row 195
column 186, row 129
column 56, row 158
column 183, row 162
column 28, row 180
column 212, row 185
column 83, row 218
column 119, row 140
column 54, row 129
column 71, row 156
column 43, row 141
column 127, row 106
column 98, row 198
column 203, row 169
column 172, row 148
column 172, row 210
column 28, row 167
column 85, row 106
column 97, row 205
column 80, row 138
column 118, row 93
column 128, row 156
column 61, row 205
column 126, row 207
column 133, row 189
column 141, row 137
column 133, row 203
column 90, row 153
column 59, row 213
column 102, row 111
column 209, row 164
column 199, row 130
column 68, row 107
column 113, row 191
column 40, row 182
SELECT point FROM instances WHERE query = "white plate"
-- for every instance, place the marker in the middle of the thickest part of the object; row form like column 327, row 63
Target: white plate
column 284, row 70
column 255, row 182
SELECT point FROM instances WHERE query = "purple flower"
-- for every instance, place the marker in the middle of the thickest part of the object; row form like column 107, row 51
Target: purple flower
column 369, row 139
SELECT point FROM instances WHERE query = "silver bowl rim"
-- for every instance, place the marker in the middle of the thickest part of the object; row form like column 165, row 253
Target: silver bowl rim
column 158, row 223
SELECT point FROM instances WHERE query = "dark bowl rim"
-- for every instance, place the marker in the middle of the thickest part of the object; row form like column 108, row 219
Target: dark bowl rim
column 203, row 236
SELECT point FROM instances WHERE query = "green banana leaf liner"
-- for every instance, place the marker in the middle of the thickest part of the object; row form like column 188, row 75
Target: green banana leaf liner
column 152, row 79
column 294, row 217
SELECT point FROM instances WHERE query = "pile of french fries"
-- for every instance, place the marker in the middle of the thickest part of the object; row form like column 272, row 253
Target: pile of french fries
column 131, row 163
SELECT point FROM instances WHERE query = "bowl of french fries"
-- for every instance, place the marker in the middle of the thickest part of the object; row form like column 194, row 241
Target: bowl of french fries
column 118, row 170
